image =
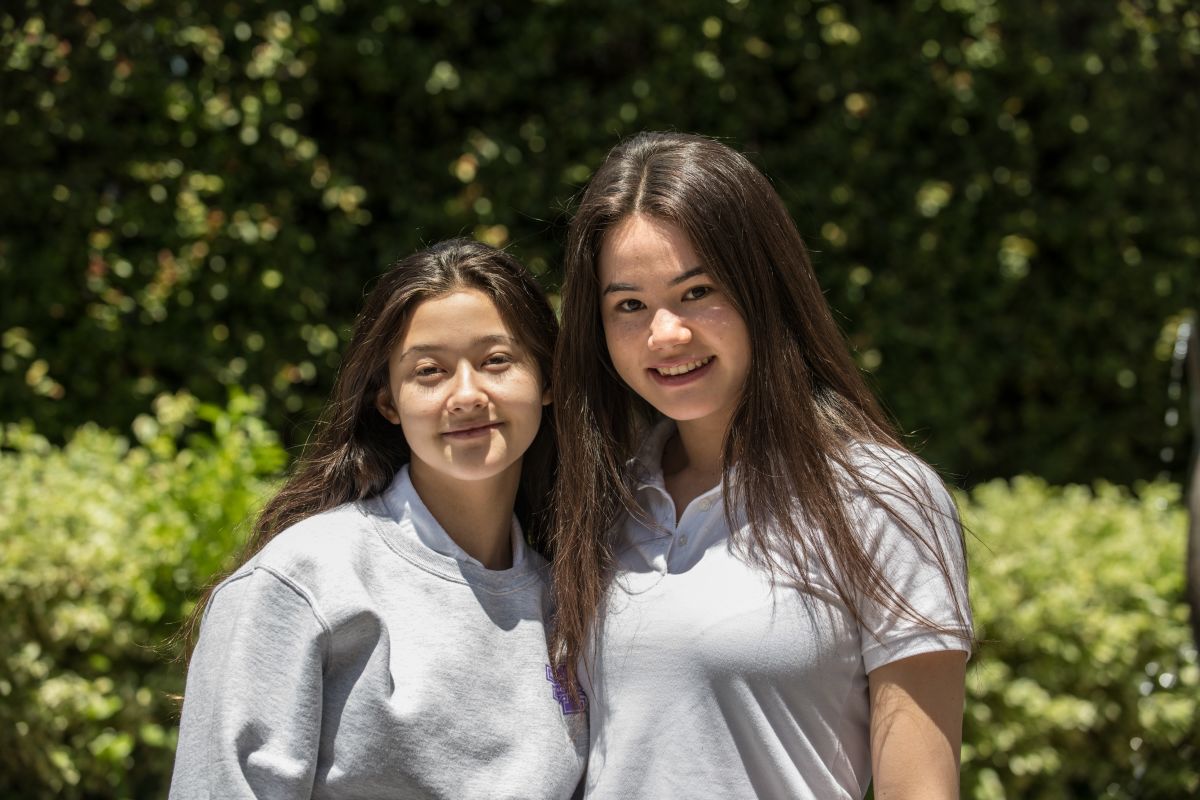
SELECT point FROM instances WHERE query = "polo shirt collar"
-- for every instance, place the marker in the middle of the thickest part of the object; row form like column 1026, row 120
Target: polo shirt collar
column 646, row 465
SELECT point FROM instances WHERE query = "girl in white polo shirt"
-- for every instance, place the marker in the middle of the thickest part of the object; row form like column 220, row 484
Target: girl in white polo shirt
column 385, row 637
column 762, row 592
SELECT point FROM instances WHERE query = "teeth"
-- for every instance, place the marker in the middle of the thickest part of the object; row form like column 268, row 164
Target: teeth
column 683, row 369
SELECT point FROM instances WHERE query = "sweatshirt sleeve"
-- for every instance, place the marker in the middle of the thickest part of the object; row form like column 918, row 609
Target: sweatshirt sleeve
column 251, row 718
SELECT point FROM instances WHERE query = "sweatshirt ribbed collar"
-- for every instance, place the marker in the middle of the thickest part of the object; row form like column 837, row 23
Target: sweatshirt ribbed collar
column 412, row 530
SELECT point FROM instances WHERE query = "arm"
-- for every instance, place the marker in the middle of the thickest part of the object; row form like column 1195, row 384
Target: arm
column 916, row 726
column 252, row 707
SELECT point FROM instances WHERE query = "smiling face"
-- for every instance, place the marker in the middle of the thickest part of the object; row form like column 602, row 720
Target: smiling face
column 673, row 335
column 466, row 393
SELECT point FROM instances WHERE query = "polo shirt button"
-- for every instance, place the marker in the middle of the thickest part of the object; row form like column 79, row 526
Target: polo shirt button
column 683, row 540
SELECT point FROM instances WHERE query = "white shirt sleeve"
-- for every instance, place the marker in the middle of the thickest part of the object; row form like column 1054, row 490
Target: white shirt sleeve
column 923, row 561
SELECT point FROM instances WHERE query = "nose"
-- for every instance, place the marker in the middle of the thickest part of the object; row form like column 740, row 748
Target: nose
column 668, row 329
column 466, row 392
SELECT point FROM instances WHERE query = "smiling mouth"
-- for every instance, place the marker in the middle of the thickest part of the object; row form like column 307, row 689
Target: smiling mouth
column 468, row 433
column 683, row 369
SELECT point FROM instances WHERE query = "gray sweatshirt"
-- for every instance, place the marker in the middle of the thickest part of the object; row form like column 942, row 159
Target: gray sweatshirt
column 351, row 659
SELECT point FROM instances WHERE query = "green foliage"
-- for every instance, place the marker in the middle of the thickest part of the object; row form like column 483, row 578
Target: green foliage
column 1000, row 192
column 105, row 547
column 1088, row 685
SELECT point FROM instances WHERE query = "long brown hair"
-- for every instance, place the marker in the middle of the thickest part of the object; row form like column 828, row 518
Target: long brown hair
column 803, row 405
column 354, row 453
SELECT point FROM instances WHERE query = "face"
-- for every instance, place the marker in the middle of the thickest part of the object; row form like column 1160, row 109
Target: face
column 673, row 334
column 464, row 391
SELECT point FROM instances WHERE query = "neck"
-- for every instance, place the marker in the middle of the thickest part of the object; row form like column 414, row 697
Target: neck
column 698, row 448
column 691, row 462
column 477, row 515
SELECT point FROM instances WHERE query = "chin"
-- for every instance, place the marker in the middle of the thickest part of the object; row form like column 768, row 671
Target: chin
column 684, row 413
column 486, row 470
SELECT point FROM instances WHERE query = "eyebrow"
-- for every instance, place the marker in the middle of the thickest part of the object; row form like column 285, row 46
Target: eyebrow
column 495, row 338
column 678, row 279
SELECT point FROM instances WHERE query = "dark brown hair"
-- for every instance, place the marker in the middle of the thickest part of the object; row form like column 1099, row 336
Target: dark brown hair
column 803, row 406
column 354, row 453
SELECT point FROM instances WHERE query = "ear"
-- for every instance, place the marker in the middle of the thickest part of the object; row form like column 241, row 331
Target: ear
column 547, row 396
column 385, row 406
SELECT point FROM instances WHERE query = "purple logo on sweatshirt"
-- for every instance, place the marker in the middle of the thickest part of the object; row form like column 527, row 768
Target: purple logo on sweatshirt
column 557, row 678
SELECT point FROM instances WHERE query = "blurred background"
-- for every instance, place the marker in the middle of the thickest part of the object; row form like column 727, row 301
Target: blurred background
column 1000, row 196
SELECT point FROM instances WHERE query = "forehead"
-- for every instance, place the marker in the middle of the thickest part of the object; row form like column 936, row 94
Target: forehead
column 646, row 249
column 457, row 319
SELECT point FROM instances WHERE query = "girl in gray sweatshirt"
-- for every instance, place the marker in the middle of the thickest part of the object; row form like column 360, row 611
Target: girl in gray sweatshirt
column 385, row 637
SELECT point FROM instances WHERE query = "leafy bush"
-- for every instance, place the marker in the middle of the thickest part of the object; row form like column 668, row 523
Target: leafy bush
column 1089, row 685
column 105, row 547
column 1001, row 192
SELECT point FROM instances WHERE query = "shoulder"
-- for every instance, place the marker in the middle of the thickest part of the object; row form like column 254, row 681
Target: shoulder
column 322, row 549
column 898, row 502
column 321, row 536
column 330, row 563
column 878, row 477
column 891, row 467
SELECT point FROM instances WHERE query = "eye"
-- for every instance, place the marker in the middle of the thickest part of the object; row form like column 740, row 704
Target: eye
column 630, row 305
column 697, row 292
column 498, row 361
column 427, row 370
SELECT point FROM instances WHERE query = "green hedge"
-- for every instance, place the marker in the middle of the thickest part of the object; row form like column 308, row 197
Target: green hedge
column 1087, row 687
column 106, row 546
column 1088, row 684
column 1000, row 192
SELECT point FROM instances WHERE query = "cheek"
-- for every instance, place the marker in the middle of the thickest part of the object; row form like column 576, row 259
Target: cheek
column 730, row 328
column 526, row 393
column 741, row 335
column 621, row 340
column 533, row 416
column 520, row 404
column 518, row 387
column 416, row 407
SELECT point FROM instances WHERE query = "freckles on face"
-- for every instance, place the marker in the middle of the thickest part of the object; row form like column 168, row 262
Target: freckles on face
column 672, row 332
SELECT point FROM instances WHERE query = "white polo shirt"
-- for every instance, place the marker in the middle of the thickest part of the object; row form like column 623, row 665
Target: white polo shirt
column 708, row 681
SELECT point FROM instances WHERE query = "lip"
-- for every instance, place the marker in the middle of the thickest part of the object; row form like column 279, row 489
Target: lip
column 680, row 380
column 471, row 431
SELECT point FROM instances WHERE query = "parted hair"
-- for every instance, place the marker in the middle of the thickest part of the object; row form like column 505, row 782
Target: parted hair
column 354, row 453
column 802, row 409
